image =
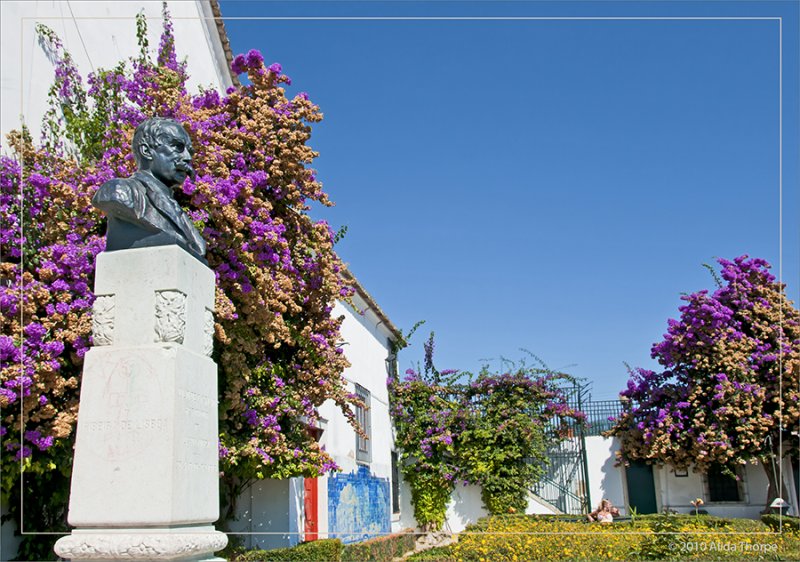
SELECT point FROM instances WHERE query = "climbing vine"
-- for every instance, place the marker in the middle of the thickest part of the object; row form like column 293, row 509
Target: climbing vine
column 491, row 430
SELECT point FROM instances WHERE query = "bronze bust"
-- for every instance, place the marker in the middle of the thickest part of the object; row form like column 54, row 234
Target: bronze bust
column 141, row 209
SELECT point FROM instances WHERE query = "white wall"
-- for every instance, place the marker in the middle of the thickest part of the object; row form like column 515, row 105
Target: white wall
column 366, row 347
column 605, row 480
column 269, row 514
column 276, row 506
column 537, row 506
column 97, row 35
column 677, row 492
column 466, row 507
column 8, row 542
column 406, row 519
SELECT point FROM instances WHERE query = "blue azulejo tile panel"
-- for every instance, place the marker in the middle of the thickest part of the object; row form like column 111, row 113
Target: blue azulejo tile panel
column 358, row 505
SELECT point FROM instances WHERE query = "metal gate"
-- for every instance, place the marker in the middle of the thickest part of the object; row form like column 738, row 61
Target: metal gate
column 565, row 483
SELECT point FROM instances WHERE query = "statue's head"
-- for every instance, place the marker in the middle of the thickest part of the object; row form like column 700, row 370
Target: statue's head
column 162, row 147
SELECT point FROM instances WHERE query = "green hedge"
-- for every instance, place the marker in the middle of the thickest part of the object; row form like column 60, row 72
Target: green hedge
column 774, row 521
column 381, row 549
column 435, row 554
column 324, row 550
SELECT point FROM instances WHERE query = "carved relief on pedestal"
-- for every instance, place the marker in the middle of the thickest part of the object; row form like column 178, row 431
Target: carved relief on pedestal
column 139, row 546
column 170, row 325
column 208, row 332
column 103, row 320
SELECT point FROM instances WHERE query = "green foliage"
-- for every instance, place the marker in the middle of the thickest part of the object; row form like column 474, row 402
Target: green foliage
column 381, row 549
column 74, row 126
column 340, row 234
column 655, row 537
column 43, row 512
column 660, row 546
column 141, row 36
column 505, row 442
column 324, row 550
column 714, row 274
column 683, row 529
column 780, row 523
column 429, row 496
column 435, row 554
column 234, row 550
column 493, row 432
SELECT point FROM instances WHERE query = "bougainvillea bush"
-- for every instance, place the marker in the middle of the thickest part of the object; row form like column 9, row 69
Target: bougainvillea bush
column 277, row 275
column 491, row 430
column 728, row 393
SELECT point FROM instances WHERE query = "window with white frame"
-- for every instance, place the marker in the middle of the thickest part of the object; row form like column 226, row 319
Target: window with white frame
column 363, row 446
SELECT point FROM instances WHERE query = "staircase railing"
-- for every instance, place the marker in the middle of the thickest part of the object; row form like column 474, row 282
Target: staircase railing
column 560, row 497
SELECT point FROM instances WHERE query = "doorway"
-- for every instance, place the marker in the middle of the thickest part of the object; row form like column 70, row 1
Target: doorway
column 641, row 487
column 310, row 506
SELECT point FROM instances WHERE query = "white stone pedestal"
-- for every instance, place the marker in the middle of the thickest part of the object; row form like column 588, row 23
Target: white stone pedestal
column 145, row 477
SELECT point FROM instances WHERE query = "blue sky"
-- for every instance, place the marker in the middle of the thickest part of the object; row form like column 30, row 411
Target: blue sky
column 552, row 185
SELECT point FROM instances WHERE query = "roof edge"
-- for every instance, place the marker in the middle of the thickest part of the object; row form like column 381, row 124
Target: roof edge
column 393, row 330
column 223, row 37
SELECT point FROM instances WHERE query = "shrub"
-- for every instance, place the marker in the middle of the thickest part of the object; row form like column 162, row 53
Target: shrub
column 435, row 554
column 323, row 550
column 656, row 537
column 380, row 549
column 778, row 523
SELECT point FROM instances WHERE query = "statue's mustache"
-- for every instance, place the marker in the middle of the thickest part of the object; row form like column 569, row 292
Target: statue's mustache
column 187, row 168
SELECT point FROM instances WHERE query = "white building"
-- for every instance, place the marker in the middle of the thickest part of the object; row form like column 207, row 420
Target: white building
column 722, row 495
column 362, row 500
column 658, row 488
column 98, row 35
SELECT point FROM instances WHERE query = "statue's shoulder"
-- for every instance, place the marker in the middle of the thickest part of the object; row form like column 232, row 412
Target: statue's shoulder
column 120, row 190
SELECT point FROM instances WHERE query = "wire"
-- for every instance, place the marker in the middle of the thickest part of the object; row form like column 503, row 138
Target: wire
column 85, row 50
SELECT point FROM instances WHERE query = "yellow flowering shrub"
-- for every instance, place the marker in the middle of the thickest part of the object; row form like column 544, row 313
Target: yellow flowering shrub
column 667, row 537
column 531, row 538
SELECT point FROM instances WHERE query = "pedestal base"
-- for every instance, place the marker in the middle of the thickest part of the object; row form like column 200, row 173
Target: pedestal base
column 178, row 543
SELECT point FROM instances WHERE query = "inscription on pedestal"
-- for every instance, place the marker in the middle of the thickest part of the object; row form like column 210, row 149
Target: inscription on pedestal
column 198, row 453
column 158, row 424
column 133, row 393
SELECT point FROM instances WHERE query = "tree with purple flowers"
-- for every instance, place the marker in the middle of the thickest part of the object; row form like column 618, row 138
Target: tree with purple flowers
column 277, row 275
column 728, row 391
